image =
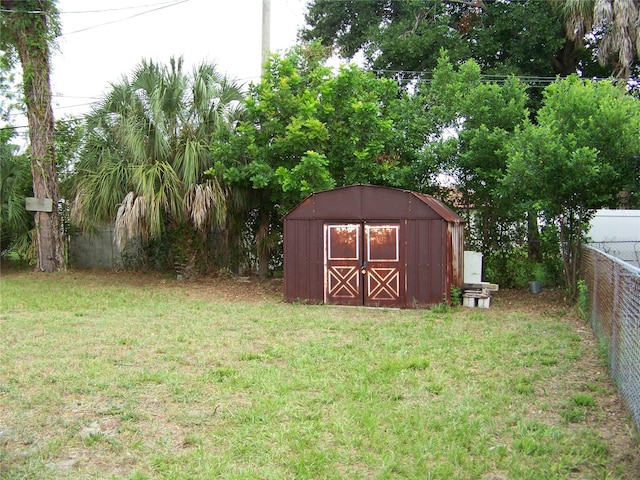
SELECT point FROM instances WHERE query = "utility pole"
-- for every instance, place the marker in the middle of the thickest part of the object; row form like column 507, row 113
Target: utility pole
column 266, row 32
column 264, row 220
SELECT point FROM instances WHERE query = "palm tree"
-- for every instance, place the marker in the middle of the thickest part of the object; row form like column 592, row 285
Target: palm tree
column 16, row 224
column 614, row 22
column 148, row 152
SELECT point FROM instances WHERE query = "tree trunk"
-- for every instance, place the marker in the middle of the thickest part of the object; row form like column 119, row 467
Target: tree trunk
column 533, row 237
column 262, row 243
column 569, row 248
column 565, row 61
column 33, row 51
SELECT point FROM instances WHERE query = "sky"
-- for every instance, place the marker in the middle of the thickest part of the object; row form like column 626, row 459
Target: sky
column 102, row 40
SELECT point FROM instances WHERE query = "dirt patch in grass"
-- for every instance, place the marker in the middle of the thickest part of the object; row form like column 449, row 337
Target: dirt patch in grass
column 210, row 287
column 253, row 289
column 548, row 300
column 207, row 287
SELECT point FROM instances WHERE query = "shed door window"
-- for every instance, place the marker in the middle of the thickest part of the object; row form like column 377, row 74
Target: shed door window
column 344, row 242
column 343, row 256
column 383, row 264
column 363, row 269
column 382, row 243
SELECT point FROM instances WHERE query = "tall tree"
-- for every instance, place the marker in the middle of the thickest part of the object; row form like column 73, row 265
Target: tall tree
column 281, row 133
column 15, row 177
column 308, row 129
column 613, row 23
column 523, row 37
column 480, row 117
column 486, row 114
column 147, row 149
column 28, row 28
column 576, row 158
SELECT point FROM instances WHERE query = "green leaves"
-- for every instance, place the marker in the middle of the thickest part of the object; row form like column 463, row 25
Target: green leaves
column 553, row 173
column 576, row 158
column 301, row 133
column 307, row 129
column 15, row 185
column 578, row 154
column 481, row 117
column 308, row 176
column 403, row 38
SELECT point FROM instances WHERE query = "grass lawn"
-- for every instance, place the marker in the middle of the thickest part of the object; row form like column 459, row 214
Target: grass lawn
column 118, row 376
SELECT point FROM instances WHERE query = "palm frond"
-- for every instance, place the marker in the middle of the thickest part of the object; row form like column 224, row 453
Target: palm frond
column 205, row 204
column 625, row 20
column 578, row 15
column 602, row 13
column 618, row 21
column 192, row 159
column 101, row 181
column 131, row 220
column 15, row 181
column 161, row 188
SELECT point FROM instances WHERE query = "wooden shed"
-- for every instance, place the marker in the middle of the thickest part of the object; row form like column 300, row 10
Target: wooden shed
column 372, row 246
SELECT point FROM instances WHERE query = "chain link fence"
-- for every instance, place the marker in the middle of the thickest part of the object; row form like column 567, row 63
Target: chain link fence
column 625, row 250
column 613, row 294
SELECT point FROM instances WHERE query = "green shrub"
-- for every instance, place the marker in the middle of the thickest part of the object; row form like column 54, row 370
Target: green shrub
column 510, row 269
column 513, row 269
column 583, row 299
column 456, row 295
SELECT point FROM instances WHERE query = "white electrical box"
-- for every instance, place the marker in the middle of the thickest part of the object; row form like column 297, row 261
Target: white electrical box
column 472, row 267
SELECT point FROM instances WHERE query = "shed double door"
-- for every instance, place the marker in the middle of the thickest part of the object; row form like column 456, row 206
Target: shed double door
column 362, row 264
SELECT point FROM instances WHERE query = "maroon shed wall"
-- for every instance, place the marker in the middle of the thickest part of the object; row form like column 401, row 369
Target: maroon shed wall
column 304, row 262
column 431, row 248
column 426, row 272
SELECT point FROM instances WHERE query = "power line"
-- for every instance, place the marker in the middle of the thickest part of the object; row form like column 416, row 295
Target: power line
column 74, row 106
column 14, row 127
column 168, row 4
column 161, row 6
column 125, row 18
column 75, row 96
column 426, row 76
column 488, row 76
column 134, row 7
